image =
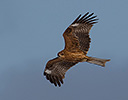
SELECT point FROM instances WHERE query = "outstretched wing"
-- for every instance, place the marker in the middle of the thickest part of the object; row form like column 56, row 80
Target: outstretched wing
column 55, row 70
column 77, row 34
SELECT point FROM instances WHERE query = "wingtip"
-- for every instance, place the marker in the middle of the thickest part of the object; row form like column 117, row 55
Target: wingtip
column 86, row 18
column 56, row 80
column 76, row 19
column 44, row 73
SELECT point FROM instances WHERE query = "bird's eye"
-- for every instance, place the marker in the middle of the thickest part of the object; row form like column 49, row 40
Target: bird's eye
column 60, row 54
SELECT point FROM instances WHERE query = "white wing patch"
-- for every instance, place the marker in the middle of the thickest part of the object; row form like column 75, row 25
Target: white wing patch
column 48, row 71
column 76, row 24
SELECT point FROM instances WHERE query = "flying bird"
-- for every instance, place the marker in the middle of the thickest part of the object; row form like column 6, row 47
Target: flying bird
column 77, row 43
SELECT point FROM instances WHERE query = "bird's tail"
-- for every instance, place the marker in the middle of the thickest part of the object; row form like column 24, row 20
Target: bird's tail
column 96, row 61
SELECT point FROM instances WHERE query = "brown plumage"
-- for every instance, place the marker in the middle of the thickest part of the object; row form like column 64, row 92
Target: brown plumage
column 77, row 43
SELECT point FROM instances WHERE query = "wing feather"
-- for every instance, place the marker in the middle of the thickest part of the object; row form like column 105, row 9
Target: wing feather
column 77, row 34
column 55, row 70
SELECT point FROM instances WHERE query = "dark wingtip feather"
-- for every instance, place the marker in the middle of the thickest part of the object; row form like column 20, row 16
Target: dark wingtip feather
column 47, row 76
column 86, row 18
column 50, row 79
column 44, row 73
column 93, row 22
column 76, row 19
column 91, row 18
column 56, row 80
column 61, row 80
column 80, row 20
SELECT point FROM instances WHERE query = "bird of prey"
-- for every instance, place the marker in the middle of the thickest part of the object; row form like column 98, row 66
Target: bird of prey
column 77, row 43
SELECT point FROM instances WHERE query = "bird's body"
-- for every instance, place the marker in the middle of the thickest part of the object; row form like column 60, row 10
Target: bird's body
column 77, row 43
column 72, row 56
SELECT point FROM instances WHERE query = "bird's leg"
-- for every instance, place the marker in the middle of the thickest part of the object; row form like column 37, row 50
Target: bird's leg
column 96, row 61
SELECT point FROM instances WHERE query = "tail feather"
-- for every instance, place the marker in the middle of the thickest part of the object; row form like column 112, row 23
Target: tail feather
column 96, row 61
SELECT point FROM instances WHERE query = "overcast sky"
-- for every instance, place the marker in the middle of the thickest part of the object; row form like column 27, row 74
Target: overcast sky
column 31, row 34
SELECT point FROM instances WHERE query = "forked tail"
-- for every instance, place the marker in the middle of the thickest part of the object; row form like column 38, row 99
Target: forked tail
column 96, row 61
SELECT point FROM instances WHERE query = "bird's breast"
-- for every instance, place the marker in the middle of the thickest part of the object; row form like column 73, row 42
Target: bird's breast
column 75, row 56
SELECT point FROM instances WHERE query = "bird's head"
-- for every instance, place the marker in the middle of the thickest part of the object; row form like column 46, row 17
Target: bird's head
column 61, row 54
